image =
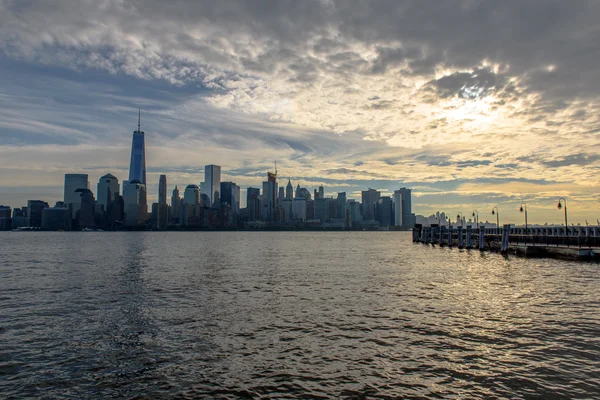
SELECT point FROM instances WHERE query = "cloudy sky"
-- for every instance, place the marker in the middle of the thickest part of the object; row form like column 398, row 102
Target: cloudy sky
column 470, row 103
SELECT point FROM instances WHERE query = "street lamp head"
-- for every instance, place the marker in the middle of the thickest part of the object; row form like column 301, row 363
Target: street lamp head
column 559, row 205
column 493, row 212
column 473, row 213
column 521, row 209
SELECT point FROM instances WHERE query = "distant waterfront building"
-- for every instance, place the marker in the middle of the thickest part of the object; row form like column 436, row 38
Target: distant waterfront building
column 191, row 195
column 253, row 203
column 321, row 192
column 175, row 205
column 162, row 190
column 108, row 190
column 56, row 219
column 369, row 198
column 289, row 190
column 332, row 212
column 281, row 195
column 5, row 218
column 136, row 207
column 137, row 164
column 286, row 206
column 321, row 209
column 212, row 184
column 341, row 205
column 270, row 197
column 86, row 213
column 304, row 193
column 408, row 218
column 384, row 211
column 230, row 194
column 354, row 211
column 73, row 182
column 299, row 209
column 397, row 208
column 35, row 208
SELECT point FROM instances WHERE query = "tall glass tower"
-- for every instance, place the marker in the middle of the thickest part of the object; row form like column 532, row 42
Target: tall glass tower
column 212, row 184
column 137, row 166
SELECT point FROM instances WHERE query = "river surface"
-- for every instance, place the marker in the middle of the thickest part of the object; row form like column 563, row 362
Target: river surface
column 290, row 315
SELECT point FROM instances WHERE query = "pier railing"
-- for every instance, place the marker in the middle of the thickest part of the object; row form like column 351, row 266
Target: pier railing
column 482, row 238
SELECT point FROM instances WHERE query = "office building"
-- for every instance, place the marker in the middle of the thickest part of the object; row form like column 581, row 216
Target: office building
column 408, row 218
column 303, row 192
column 35, row 208
column 86, row 213
column 289, row 190
column 56, row 219
column 299, row 209
column 253, row 203
column 230, row 194
column 321, row 209
column 341, row 205
column 108, row 190
column 191, row 195
column 73, row 182
column 321, row 192
column 286, row 206
column 175, row 205
column 384, row 211
column 369, row 198
column 162, row 190
column 270, row 197
column 354, row 211
column 212, row 184
column 281, row 195
column 397, row 208
column 136, row 208
column 5, row 218
column 137, row 164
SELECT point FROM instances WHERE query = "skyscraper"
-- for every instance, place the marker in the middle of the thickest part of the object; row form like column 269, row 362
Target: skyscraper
column 408, row 220
column 35, row 208
column 72, row 183
column 137, row 165
column 321, row 192
column 175, row 205
column 108, row 190
column 253, row 203
column 397, row 208
column 191, row 195
column 212, row 183
column 136, row 208
column 289, row 190
column 384, row 211
column 341, row 205
column 369, row 198
column 86, row 217
column 230, row 194
column 270, row 193
column 162, row 189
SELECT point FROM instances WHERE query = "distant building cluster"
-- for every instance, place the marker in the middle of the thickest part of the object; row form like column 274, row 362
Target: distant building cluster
column 211, row 205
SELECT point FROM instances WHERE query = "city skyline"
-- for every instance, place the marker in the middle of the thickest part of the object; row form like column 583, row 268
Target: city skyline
column 482, row 109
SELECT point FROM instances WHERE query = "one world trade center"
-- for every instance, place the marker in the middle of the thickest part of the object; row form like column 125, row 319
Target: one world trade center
column 137, row 166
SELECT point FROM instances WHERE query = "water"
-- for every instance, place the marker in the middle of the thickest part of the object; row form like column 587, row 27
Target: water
column 289, row 315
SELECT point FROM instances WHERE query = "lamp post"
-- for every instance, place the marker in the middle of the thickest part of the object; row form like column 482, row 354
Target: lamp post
column 524, row 209
column 476, row 215
column 496, row 212
column 561, row 206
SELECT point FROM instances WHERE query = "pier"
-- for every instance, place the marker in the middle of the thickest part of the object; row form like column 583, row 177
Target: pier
column 576, row 243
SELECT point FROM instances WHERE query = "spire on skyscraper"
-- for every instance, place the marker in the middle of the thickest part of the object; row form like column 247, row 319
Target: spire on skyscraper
column 139, row 118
